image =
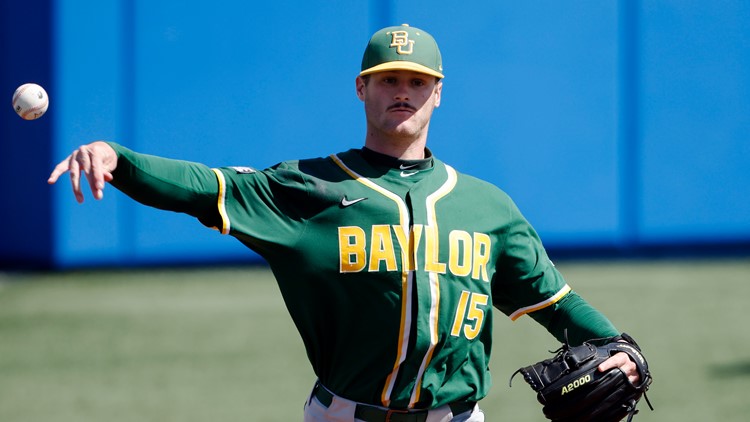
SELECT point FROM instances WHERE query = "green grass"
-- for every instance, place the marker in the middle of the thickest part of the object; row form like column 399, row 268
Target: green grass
column 218, row 344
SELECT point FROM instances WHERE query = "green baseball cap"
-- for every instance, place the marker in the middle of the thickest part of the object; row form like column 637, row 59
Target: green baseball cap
column 402, row 48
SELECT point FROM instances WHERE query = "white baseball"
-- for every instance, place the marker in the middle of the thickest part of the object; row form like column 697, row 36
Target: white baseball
column 30, row 101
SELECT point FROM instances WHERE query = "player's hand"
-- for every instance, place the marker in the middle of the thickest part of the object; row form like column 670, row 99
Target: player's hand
column 621, row 360
column 96, row 161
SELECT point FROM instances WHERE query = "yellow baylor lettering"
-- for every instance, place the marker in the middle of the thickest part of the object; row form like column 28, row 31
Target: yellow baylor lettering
column 468, row 253
column 406, row 242
column 382, row 249
column 432, row 251
column 351, row 249
column 481, row 256
column 459, row 261
column 416, row 237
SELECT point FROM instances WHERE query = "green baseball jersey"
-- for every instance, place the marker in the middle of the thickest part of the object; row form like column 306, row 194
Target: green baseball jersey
column 389, row 269
column 390, row 274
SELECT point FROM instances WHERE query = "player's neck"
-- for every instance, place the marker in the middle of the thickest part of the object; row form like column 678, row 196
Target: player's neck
column 402, row 149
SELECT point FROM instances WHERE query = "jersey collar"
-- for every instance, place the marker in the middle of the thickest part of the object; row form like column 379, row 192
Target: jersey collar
column 383, row 160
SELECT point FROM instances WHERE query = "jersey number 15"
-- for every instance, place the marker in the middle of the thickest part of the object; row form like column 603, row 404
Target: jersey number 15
column 471, row 320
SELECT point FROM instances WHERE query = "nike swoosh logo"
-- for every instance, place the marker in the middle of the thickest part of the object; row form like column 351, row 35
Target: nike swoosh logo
column 405, row 167
column 409, row 173
column 345, row 202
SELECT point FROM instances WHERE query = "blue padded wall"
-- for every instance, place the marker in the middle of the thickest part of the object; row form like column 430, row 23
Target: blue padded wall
column 614, row 125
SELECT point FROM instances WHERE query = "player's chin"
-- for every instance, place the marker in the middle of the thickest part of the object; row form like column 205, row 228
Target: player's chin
column 410, row 125
column 405, row 133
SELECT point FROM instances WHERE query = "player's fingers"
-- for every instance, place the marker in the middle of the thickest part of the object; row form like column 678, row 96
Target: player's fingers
column 84, row 159
column 59, row 170
column 631, row 370
column 621, row 360
column 95, row 175
column 75, row 175
column 615, row 361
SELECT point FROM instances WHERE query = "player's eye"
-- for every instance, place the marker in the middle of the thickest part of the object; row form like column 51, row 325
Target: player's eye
column 389, row 80
column 418, row 82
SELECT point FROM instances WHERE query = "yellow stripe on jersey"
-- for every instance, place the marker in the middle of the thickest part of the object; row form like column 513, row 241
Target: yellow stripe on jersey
column 221, row 202
column 406, row 279
column 432, row 200
column 541, row 305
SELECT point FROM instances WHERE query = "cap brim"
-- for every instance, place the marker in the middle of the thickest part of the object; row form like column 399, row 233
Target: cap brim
column 402, row 65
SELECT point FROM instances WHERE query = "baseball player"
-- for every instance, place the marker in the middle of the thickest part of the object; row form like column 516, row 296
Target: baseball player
column 389, row 260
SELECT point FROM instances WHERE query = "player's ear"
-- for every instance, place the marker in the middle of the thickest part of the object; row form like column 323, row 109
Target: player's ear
column 438, row 92
column 360, row 86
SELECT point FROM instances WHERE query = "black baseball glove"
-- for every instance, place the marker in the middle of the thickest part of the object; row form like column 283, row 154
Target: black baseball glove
column 571, row 388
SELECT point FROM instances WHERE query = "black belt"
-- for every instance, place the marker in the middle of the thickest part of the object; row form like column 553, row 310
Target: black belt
column 376, row 414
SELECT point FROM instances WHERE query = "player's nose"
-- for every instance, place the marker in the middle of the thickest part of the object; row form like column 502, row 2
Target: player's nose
column 401, row 94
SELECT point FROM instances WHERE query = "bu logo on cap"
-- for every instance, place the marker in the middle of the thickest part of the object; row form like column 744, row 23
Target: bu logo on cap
column 400, row 40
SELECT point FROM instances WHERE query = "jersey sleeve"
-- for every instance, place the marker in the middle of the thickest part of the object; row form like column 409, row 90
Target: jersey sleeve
column 263, row 209
column 576, row 316
column 525, row 279
column 167, row 184
column 527, row 282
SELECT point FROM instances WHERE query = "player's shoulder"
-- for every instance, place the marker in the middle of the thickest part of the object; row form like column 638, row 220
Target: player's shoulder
column 317, row 167
column 303, row 169
column 479, row 186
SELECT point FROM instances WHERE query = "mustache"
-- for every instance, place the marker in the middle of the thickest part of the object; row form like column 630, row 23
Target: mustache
column 402, row 105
